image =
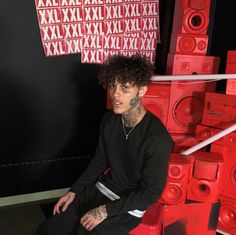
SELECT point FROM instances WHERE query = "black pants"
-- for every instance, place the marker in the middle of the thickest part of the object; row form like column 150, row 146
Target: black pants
column 68, row 222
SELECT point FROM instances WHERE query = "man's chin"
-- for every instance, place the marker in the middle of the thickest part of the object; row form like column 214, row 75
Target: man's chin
column 117, row 111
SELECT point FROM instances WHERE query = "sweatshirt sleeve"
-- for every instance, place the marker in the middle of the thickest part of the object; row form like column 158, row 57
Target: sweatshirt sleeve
column 96, row 167
column 153, row 180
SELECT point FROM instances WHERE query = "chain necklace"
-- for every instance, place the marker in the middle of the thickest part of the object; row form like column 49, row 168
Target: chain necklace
column 127, row 134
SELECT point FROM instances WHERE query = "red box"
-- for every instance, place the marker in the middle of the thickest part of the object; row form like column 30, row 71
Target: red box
column 204, row 179
column 219, row 110
column 191, row 44
column 152, row 221
column 192, row 64
column 177, row 180
column 191, row 16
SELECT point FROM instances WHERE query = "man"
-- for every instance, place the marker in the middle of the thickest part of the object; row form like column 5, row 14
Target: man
column 129, row 169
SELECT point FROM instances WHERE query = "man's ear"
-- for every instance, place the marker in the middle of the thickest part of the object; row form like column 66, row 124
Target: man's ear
column 142, row 90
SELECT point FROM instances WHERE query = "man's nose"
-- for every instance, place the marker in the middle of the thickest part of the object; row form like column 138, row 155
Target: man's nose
column 116, row 92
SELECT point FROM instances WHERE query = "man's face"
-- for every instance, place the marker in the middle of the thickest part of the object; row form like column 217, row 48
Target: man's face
column 124, row 96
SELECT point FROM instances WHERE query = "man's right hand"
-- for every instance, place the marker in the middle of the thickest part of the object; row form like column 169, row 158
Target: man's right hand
column 64, row 202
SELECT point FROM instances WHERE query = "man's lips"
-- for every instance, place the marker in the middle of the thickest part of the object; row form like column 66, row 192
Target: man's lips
column 116, row 103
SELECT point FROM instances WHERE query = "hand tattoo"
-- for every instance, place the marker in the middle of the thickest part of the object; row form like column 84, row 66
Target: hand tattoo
column 96, row 213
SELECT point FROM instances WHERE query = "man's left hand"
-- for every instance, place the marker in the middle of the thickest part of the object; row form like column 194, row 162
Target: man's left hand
column 94, row 217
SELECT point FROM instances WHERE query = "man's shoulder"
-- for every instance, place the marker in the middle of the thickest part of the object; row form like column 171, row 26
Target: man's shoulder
column 157, row 128
column 109, row 117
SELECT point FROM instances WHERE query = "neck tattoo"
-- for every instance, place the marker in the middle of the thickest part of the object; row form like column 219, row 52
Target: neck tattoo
column 127, row 134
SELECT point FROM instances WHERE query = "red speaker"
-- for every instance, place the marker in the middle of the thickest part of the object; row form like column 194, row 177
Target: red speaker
column 191, row 16
column 227, row 186
column 205, row 132
column 191, row 44
column 204, row 178
column 186, row 105
column 227, row 216
column 192, row 64
column 231, row 68
column 177, row 180
column 156, row 100
column 219, row 110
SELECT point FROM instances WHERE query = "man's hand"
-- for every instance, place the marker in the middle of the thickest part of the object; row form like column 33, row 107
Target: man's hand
column 94, row 217
column 64, row 202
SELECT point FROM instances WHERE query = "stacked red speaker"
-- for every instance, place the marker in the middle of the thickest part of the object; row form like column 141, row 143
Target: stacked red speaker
column 231, row 68
column 198, row 180
column 219, row 114
column 188, row 55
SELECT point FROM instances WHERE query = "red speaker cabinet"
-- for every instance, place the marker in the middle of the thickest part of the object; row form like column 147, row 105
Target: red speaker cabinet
column 180, row 64
column 191, row 44
column 227, row 186
column 152, row 221
column 227, row 216
column 191, row 16
column 177, row 180
column 156, row 100
column 186, row 105
column 204, row 178
column 219, row 110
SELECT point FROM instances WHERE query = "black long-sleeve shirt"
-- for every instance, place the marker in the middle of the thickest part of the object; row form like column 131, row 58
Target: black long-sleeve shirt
column 138, row 165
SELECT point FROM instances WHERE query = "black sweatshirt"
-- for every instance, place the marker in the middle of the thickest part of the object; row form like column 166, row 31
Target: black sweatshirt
column 138, row 165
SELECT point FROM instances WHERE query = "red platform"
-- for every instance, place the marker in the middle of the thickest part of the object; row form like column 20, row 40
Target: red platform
column 192, row 218
column 152, row 221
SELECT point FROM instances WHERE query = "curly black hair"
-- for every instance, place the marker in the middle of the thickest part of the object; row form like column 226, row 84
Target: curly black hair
column 136, row 69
